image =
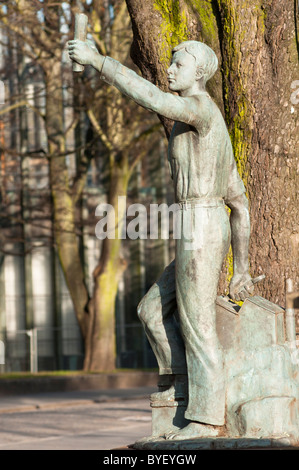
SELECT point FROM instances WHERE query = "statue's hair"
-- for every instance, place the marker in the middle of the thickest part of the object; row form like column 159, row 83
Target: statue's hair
column 204, row 56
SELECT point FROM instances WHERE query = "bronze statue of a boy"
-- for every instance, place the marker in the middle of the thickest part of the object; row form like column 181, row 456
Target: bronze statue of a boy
column 179, row 311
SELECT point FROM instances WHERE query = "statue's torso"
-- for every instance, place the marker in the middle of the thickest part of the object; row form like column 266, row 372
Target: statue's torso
column 200, row 162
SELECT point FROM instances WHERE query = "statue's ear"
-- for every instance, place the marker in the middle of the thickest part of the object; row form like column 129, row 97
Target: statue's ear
column 199, row 73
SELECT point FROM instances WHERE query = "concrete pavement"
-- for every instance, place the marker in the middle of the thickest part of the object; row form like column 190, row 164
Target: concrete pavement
column 75, row 420
column 51, row 400
column 106, row 419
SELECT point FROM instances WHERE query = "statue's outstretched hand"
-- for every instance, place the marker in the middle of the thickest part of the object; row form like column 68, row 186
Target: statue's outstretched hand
column 242, row 286
column 84, row 53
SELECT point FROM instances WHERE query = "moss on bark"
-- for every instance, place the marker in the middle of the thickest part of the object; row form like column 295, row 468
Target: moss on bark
column 174, row 27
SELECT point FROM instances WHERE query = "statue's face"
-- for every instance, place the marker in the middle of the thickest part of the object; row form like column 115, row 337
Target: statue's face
column 182, row 74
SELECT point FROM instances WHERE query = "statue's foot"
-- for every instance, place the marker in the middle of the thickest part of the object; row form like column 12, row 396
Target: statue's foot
column 195, row 430
column 146, row 439
column 171, row 394
column 177, row 388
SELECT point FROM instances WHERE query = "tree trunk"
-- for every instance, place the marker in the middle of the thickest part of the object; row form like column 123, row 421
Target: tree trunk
column 257, row 48
column 100, row 342
column 259, row 69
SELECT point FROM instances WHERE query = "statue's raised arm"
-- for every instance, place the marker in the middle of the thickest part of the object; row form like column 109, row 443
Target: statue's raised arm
column 184, row 76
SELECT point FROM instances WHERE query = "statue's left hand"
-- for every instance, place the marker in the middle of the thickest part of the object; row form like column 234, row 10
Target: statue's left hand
column 84, row 53
column 242, row 287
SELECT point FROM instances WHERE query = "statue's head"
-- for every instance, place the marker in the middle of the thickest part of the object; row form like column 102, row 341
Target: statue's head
column 205, row 58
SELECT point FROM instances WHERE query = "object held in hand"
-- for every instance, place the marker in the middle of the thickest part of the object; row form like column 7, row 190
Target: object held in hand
column 247, row 288
column 258, row 278
column 80, row 33
column 253, row 281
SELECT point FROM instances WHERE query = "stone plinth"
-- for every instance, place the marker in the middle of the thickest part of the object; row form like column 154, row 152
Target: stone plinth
column 168, row 417
column 262, row 381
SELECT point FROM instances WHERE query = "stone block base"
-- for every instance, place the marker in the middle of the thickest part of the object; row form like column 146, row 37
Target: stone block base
column 217, row 444
column 168, row 418
column 262, row 393
column 268, row 416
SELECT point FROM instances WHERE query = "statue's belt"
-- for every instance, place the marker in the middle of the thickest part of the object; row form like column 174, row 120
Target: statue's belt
column 201, row 202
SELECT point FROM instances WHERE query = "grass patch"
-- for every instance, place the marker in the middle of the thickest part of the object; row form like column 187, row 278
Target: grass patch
column 63, row 373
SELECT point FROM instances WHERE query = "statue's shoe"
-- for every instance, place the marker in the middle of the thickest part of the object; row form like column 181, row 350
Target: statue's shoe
column 173, row 393
column 195, row 431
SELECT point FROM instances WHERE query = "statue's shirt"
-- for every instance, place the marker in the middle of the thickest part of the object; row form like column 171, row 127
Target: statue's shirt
column 201, row 160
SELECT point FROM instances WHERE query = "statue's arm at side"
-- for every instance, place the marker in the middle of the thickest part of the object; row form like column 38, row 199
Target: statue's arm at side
column 241, row 285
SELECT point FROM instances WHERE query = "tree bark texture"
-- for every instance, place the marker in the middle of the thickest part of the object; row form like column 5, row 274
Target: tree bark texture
column 100, row 341
column 257, row 46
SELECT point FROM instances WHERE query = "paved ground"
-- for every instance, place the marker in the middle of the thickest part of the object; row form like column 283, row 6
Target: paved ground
column 102, row 420
column 85, row 420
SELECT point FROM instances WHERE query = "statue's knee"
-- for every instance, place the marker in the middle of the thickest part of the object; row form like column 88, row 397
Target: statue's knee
column 147, row 310
column 141, row 310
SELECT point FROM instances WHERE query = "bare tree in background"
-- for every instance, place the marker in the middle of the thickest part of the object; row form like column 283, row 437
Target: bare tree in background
column 40, row 31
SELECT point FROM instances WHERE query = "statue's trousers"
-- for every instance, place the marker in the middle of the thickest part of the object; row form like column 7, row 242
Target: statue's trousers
column 179, row 311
